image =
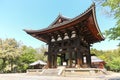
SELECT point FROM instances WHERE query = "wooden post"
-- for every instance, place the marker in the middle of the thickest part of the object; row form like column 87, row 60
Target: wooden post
column 75, row 57
column 88, row 60
column 82, row 59
column 79, row 52
column 55, row 61
column 79, row 58
column 70, row 58
column 49, row 60
column 88, row 57
column 61, row 60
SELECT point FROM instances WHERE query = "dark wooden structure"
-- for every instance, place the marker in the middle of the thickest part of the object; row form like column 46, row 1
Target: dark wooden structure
column 70, row 39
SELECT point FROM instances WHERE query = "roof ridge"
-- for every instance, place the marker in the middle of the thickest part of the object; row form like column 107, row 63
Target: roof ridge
column 59, row 16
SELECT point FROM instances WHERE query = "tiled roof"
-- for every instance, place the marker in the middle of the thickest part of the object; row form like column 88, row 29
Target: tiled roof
column 63, row 23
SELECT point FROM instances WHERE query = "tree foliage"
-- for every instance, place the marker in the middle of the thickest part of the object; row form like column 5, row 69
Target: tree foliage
column 15, row 57
column 9, row 52
column 114, row 65
column 40, row 53
column 111, row 57
column 27, row 57
column 114, row 5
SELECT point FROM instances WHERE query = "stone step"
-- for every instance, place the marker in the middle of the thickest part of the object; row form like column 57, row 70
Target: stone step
column 50, row 72
column 84, row 72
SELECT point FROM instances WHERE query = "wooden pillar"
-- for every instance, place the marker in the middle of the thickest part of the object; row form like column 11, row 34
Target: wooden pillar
column 79, row 58
column 49, row 61
column 75, row 57
column 49, row 58
column 79, row 48
column 70, row 58
column 61, row 60
column 52, row 60
column 82, row 59
column 88, row 58
column 55, row 61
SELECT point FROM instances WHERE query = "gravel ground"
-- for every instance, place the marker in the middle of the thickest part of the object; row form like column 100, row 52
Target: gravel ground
column 24, row 76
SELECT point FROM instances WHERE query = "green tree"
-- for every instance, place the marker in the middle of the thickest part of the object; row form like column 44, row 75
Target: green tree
column 40, row 53
column 114, row 5
column 96, row 52
column 27, row 57
column 111, row 58
column 9, row 52
column 2, row 55
column 114, row 64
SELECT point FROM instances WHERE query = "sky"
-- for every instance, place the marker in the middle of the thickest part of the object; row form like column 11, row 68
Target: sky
column 16, row 15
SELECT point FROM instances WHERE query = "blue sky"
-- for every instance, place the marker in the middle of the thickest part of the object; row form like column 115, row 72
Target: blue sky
column 16, row 15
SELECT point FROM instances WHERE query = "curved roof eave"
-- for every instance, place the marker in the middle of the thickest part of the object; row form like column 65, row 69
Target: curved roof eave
column 61, row 24
column 96, row 23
